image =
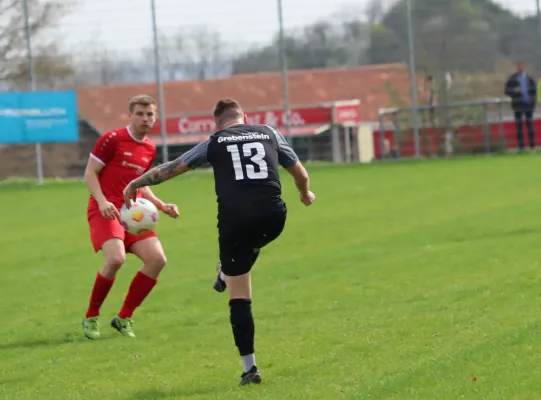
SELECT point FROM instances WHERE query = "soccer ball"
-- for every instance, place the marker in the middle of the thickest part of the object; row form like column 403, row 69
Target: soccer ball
column 140, row 219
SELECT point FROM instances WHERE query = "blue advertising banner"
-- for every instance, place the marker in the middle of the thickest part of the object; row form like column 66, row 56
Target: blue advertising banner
column 38, row 117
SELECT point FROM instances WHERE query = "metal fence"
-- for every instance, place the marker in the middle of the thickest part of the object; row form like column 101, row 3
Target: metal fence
column 475, row 127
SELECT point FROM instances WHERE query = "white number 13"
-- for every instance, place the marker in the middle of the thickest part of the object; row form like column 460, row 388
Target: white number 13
column 256, row 159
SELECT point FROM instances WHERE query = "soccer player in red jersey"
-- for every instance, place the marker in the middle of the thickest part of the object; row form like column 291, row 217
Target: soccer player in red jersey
column 117, row 158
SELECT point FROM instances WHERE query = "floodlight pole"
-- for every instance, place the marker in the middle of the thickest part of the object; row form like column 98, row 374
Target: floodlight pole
column 283, row 61
column 32, row 84
column 158, row 77
column 538, row 8
column 413, row 83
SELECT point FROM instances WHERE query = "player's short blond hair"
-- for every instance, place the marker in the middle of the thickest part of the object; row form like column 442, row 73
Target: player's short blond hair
column 141, row 100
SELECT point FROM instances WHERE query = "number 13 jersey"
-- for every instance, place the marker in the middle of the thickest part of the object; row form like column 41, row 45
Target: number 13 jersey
column 245, row 160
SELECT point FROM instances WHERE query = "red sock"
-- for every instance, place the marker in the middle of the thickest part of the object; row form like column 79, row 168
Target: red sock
column 139, row 289
column 101, row 289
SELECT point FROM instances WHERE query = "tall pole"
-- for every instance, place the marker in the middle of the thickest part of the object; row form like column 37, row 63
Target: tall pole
column 538, row 7
column 32, row 84
column 283, row 61
column 158, row 77
column 413, row 83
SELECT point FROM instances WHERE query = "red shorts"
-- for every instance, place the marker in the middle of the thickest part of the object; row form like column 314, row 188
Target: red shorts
column 101, row 230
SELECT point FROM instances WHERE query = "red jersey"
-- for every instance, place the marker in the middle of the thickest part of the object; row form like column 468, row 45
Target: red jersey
column 124, row 158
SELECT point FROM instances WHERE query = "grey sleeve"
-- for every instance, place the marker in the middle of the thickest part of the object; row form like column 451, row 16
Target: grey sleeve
column 286, row 155
column 197, row 156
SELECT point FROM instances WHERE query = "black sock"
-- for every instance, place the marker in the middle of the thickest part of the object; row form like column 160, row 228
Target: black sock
column 242, row 323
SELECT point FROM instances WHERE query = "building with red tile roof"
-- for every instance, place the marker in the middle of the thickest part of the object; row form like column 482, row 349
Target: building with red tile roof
column 105, row 107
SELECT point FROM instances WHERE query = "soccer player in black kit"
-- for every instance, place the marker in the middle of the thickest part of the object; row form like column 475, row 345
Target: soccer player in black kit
column 251, row 212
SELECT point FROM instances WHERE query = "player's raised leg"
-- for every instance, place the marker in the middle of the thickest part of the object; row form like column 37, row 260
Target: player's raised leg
column 151, row 253
column 115, row 254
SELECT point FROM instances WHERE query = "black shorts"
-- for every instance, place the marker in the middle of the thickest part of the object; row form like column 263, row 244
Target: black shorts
column 242, row 235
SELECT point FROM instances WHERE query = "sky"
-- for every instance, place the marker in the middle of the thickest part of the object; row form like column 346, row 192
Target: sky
column 125, row 25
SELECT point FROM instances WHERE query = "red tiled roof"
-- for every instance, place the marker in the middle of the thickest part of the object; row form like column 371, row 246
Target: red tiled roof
column 105, row 107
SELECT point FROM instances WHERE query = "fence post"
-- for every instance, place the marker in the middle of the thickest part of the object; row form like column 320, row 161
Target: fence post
column 337, row 157
column 381, row 136
column 486, row 128
column 500, row 126
column 347, row 144
column 397, row 136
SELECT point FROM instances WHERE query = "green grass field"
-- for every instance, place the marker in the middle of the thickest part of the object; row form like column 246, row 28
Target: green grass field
column 404, row 281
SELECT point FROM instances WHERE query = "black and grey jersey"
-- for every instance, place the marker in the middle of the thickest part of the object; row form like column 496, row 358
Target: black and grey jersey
column 245, row 160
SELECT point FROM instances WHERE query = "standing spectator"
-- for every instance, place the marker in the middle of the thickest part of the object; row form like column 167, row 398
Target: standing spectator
column 522, row 89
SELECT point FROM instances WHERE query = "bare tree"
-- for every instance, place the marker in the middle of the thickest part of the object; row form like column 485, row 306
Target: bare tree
column 98, row 66
column 375, row 11
column 199, row 54
column 51, row 68
column 207, row 54
column 50, row 65
column 172, row 56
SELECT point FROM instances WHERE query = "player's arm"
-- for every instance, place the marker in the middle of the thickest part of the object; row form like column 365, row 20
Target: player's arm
column 192, row 159
column 169, row 209
column 289, row 160
column 101, row 154
column 300, row 175
column 160, row 174
column 302, row 181
column 92, row 172
column 147, row 193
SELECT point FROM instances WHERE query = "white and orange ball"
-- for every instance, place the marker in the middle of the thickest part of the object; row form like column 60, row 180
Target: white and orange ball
column 141, row 218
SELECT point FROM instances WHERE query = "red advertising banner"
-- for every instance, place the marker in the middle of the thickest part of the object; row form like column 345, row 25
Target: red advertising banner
column 347, row 114
column 274, row 118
